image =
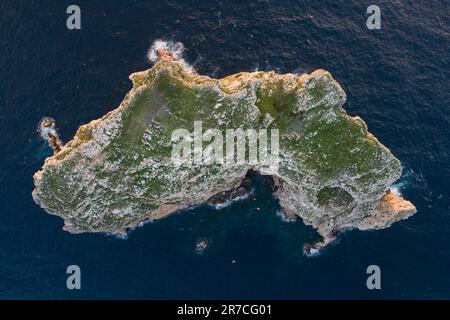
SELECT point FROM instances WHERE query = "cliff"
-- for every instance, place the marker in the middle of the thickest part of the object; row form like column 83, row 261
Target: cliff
column 118, row 171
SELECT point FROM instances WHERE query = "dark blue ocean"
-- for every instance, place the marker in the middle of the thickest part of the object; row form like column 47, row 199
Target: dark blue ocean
column 396, row 79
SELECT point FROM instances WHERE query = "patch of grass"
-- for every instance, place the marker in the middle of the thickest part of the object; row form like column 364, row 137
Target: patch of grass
column 273, row 99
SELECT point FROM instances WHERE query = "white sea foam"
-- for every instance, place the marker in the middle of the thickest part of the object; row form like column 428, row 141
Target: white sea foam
column 121, row 236
column 45, row 131
column 282, row 216
column 176, row 49
column 313, row 252
column 395, row 189
column 408, row 178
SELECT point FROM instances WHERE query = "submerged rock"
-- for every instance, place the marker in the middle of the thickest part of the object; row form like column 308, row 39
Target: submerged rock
column 117, row 171
column 200, row 246
column 48, row 132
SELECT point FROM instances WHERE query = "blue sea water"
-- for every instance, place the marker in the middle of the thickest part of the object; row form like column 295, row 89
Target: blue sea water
column 396, row 79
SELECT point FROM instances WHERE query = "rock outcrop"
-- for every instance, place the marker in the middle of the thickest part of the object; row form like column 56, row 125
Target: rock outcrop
column 117, row 171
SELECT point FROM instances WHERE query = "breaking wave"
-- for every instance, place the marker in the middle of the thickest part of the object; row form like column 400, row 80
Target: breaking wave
column 415, row 180
column 45, row 131
column 225, row 204
column 311, row 252
column 408, row 178
column 176, row 49
column 120, row 236
column 279, row 213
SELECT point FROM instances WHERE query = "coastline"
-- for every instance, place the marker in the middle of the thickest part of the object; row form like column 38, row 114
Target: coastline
column 386, row 211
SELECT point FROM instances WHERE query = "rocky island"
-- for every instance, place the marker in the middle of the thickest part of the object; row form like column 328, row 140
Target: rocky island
column 117, row 171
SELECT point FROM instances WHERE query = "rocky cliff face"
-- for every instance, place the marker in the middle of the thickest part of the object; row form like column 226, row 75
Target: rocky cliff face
column 117, row 171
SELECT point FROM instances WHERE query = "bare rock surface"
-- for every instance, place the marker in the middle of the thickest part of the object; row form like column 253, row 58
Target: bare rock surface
column 117, row 170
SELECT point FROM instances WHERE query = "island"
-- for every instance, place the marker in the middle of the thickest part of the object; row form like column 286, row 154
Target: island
column 119, row 171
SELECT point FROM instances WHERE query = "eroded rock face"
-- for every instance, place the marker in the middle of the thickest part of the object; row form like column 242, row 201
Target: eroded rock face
column 117, row 171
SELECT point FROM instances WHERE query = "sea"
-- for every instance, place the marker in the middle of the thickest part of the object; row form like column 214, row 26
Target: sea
column 396, row 78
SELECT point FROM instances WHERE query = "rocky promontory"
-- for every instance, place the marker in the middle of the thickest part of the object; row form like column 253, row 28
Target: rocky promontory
column 118, row 170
